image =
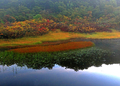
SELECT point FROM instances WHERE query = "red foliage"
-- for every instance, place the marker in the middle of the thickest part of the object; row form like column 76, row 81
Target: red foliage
column 32, row 27
column 48, row 20
column 54, row 48
column 42, row 29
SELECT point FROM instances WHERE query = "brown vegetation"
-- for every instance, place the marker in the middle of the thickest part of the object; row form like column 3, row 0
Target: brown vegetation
column 54, row 48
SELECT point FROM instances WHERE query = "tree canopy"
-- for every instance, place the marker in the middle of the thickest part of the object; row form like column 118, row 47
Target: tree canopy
column 27, row 9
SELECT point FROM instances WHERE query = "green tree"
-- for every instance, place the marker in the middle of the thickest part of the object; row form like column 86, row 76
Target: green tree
column 38, row 16
column 1, row 21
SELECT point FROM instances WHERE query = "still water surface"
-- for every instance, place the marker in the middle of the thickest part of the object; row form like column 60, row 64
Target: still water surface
column 105, row 75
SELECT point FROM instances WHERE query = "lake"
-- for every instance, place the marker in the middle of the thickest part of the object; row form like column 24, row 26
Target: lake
column 106, row 74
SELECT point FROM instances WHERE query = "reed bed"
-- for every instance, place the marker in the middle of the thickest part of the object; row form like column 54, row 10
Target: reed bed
column 54, row 48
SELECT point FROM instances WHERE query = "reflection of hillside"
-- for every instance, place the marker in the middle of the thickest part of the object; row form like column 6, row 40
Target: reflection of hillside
column 13, row 68
column 77, row 59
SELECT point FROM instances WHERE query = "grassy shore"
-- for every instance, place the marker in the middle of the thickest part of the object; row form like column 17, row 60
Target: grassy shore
column 58, row 35
column 103, row 35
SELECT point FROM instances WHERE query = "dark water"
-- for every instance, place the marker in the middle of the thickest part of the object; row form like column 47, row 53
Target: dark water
column 104, row 75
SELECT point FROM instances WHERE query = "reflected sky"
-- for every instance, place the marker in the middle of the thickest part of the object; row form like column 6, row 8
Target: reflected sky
column 111, row 69
column 59, row 76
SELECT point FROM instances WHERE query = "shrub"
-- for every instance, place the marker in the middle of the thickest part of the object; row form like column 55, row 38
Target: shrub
column 38, row 16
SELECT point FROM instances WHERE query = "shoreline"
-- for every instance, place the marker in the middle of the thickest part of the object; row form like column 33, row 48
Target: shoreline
column 55, row 38
column 47, row 43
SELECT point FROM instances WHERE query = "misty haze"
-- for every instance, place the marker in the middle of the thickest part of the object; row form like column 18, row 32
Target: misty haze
column 59, row 42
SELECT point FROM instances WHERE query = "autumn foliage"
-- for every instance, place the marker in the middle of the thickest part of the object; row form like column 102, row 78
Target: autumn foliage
column 54, row 48
column 24, row 28
column 42, row 26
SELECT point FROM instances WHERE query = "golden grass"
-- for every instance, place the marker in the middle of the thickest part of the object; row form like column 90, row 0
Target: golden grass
column 58, row 35
column 103, row 35
column 51, row 36
column 53, row 48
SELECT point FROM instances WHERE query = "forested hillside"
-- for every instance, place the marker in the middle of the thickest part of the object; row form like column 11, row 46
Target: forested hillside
column 20, row 10
column 19, row 18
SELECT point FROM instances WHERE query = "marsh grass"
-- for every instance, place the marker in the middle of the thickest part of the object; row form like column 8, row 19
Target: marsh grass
column 103, row 35
column 59, row 35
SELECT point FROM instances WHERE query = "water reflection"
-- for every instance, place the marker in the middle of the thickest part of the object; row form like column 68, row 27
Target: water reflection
column 58, row 76
column 13, row 68
column 111, row 70
column 106, row 44
column 89, row 71
column 79, row 59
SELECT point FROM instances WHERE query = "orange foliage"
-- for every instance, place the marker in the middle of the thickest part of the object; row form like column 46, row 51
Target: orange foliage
column 40, row 27
column 25, row 28
column 54, row 48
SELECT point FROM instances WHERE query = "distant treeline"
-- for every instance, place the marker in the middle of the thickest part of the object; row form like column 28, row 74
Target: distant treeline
column 95, row 10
